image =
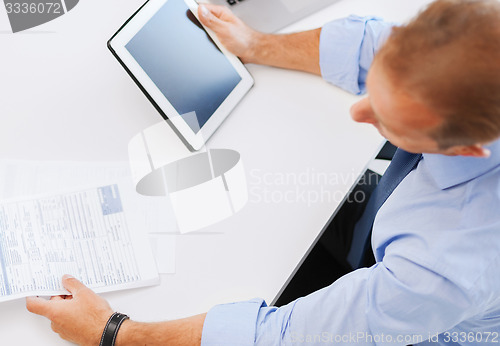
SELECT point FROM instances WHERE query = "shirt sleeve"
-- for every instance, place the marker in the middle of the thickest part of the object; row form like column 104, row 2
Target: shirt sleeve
column 395, row 302
column 347, row 49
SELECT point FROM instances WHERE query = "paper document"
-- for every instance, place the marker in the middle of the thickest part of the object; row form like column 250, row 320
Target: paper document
column 87, row 234
column 30, row 178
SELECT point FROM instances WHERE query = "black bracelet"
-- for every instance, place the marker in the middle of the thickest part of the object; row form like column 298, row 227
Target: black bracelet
column 109, row 333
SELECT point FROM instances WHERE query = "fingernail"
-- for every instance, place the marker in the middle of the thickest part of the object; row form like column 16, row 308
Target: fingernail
column 67, row 276
column 205, row 11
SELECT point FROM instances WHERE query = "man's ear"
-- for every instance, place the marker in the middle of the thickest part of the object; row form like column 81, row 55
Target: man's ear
column 476, row 150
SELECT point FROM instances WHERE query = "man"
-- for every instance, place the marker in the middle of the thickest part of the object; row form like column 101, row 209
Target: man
column 434, row 88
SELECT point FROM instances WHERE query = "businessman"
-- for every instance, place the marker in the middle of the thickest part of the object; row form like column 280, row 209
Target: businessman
column 434, row 91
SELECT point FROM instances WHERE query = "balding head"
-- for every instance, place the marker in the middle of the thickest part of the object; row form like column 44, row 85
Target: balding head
column 448, row 58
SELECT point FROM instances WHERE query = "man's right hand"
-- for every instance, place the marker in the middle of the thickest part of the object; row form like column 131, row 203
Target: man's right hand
column 235, row 35
column 79, row 317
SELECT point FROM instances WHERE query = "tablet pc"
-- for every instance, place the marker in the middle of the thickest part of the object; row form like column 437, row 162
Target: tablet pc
column 182, row 68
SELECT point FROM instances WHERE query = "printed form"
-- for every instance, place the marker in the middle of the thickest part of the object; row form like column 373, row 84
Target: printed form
column 86, row 234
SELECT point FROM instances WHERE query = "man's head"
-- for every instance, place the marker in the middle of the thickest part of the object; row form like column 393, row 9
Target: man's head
column 435, row 85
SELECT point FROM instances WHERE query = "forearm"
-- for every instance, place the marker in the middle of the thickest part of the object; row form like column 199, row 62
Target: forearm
column 298, row 51
column 182, row 332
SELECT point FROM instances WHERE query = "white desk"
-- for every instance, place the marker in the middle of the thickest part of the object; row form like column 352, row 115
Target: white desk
column 64, row 97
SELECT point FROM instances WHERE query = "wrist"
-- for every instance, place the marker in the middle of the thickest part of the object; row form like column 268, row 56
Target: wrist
column 125, row 335
column 257, row 48
column 110, row 332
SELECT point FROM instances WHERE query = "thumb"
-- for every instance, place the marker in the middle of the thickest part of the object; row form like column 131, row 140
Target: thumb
column 72, row 285
column 208, row 19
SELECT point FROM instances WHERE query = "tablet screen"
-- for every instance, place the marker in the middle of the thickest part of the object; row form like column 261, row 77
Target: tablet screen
column 183, row 62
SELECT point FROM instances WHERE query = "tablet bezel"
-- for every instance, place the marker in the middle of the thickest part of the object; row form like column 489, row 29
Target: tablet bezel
column 132, row 26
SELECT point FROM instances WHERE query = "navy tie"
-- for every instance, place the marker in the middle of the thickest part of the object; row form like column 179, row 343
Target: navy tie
column 402, row 164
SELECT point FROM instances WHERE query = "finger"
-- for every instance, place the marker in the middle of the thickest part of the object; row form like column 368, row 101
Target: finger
column 218, row 10
column 56, row 298
column 38, row 306
column 72, row 285
column 208, row 18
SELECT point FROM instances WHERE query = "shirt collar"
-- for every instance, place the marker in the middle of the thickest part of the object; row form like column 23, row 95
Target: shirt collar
column 449, row 171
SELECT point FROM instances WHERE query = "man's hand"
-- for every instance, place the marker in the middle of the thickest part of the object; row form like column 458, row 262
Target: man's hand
column 298, row 51
column 82, row 316
column 79, row 317
column 235, row 35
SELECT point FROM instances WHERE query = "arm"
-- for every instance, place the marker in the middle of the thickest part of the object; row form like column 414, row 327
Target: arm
column 394, row 300
column 298, row 51
column 398, row 305
column 81, row 317
column 341, row 51
column 182, row 332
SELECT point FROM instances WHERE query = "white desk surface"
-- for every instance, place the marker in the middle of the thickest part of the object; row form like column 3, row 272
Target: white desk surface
column 64, row 97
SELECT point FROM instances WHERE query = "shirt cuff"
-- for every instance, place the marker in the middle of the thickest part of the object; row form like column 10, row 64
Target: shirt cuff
column 347, row 48
column 231, row 324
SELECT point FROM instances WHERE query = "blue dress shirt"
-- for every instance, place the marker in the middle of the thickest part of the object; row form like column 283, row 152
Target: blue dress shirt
column 436, row 242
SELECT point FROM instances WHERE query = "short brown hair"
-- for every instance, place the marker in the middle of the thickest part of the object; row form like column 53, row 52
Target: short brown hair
column 449, row 58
